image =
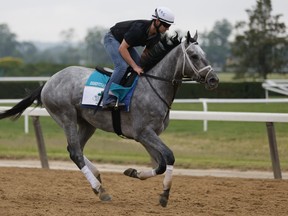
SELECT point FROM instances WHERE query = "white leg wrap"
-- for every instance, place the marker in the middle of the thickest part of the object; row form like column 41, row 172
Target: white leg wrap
column 146, row 174
column 168, row 177
column 93, row 169
column 95, row 184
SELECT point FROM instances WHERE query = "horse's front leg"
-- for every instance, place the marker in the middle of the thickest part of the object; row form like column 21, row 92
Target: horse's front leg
column 167, row 183
column 164, row 158
column 93, row 169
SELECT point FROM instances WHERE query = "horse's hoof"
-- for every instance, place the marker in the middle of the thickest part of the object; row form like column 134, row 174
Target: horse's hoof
column 131, row 173
column 164, row 197
column 163, row 201
column 103, row 195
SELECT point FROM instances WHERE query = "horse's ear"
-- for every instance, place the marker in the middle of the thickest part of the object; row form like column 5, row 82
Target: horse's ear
column 195, row 36
column 188, row 37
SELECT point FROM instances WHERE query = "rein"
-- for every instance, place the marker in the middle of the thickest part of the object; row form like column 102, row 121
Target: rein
column 173, row 81
column 160, row 97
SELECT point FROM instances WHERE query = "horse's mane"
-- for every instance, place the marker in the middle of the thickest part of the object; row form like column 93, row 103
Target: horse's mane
column 152, row 56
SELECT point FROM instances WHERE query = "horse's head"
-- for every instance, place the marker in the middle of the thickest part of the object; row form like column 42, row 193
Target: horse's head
column 196, row 65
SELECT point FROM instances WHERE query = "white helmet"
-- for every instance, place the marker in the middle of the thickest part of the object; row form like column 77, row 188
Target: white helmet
column 164, row 14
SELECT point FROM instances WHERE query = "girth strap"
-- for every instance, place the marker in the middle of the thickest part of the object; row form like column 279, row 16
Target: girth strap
column 116, row 120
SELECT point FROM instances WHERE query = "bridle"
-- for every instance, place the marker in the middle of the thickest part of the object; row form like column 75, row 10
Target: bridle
column 175, row 82
column 199, row 78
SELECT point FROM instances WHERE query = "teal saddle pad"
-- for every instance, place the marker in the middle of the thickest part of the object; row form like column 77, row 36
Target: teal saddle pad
column 94, row 88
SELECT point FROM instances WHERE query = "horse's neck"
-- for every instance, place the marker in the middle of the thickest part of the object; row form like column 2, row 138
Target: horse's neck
column 170, row 66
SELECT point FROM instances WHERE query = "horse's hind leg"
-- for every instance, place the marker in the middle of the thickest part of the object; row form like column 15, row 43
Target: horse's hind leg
column 76, row 154
column 85, row 131
column 67, row 119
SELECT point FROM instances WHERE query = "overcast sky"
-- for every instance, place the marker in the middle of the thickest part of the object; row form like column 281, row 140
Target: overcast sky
column 43, row 20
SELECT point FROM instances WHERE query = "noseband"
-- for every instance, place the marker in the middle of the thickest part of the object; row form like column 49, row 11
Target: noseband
column 197, row 72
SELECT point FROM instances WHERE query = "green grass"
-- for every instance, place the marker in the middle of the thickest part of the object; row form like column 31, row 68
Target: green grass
column 237, row 145
column 230, row 77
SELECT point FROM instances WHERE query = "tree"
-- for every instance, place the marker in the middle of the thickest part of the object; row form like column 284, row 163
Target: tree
column 216, row 43
column 95, row 51
column 8, row 43
column 27, row 51
column 68, row 35
column 261, row 48
column 9, row 66
column 71, row 51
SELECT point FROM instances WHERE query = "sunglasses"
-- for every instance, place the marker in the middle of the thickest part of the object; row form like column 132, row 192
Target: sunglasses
column 166, row 25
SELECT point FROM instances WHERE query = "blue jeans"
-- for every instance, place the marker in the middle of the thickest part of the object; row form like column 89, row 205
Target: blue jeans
column 120, row 66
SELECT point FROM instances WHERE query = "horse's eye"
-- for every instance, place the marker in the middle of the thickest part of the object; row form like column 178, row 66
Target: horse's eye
column 195, row 57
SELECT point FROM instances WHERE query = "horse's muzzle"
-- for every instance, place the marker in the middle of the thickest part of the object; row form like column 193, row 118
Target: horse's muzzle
column 212, row 81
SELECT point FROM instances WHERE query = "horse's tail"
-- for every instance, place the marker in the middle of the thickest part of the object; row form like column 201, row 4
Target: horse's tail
column 16, row 111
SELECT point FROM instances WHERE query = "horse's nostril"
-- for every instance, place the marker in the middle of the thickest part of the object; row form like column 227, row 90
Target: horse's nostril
column 213, row 81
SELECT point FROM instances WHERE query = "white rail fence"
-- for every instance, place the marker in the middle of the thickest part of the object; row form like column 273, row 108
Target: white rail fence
column 276, row 85
column 41, row 81
column 268, row 118
column 204, row 101
column 24, row 79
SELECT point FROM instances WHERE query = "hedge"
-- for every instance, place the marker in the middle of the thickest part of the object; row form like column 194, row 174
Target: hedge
column 224, row 90
column 16, row 90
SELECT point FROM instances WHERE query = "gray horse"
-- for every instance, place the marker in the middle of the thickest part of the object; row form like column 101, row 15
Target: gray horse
column 148, row 116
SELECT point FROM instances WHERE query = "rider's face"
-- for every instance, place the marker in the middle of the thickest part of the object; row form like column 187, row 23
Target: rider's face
column 163, row 27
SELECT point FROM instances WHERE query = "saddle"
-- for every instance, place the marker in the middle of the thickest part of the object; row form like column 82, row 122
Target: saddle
column 126, row 81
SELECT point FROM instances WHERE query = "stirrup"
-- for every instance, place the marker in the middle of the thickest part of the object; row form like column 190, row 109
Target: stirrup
column 119, row 105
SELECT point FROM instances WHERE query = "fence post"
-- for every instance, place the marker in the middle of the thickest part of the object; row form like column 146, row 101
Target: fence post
column 273, row 150
column 40, row 142
column 26, row 124
column 266, row 94
column 205, row 109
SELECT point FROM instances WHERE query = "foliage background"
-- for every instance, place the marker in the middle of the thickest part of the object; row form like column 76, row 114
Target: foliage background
column 253, row 49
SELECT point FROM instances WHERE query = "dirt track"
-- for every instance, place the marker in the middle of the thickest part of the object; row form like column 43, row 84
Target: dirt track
column 53, row 192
